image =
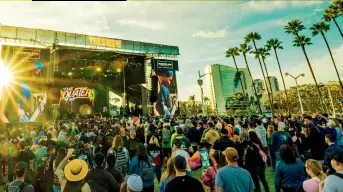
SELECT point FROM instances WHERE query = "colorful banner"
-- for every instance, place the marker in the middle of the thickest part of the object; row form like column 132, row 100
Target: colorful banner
column 72, row 93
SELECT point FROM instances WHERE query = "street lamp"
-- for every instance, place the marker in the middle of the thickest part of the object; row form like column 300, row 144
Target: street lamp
column 200, row 83
column 296, row 83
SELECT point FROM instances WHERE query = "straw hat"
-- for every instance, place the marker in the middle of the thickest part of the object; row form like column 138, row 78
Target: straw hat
column 76, row 170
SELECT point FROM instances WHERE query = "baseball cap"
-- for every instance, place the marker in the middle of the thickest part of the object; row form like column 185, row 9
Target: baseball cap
column 338, row 156
column 180, row 163
column 236, row 130
column 135, row 183
column 224, row 131
column 231, row 154
column 281, row 124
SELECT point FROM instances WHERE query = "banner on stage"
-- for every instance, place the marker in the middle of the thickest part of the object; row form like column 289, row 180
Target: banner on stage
column 72, row 93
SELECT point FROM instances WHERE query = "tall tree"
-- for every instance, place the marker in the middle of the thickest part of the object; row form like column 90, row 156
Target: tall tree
column 322, row 28
column 338, row 5
column 253, row 37
column 275, row 44
column 244, row 49
column 233, row 52
column 294, row 27
column 330, row 14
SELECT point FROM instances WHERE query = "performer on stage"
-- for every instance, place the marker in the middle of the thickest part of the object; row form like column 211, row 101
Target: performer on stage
column 164, row 102
column 24, row 102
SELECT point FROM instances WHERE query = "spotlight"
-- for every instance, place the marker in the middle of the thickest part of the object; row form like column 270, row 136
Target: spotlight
column 118, row 70
column 98, row 69
column 6, row 74
column 70, row 73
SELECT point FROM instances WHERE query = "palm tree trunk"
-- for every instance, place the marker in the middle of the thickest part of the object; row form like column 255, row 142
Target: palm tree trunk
column 283, row 81
column 333, row 61
column 253, row 84
column 270, row 85
column 315, row 80
column 259, row 60
column 240, row 78
column 339, row 29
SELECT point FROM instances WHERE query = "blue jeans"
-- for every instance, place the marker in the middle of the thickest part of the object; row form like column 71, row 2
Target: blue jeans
column 158, row 173
column 259, row 175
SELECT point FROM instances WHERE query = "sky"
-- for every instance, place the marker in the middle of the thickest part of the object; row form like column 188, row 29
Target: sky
column 203, row 31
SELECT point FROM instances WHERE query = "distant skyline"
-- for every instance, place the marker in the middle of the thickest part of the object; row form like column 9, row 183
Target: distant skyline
column 202, row 30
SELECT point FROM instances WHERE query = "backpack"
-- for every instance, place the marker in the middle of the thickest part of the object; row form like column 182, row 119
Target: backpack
column 147, row 171
column 340, row 175
column 262, row 154
column 122, row 162
column 205, row 159
column 44, row 166
column 166, row 136
column 19, row 188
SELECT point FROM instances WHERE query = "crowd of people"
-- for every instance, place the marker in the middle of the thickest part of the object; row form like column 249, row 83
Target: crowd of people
column 305, row 153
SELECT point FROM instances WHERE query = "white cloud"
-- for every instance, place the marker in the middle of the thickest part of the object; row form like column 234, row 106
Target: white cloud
column 216, row 34
column 305, row 3
column 266, row 5
column 141, row 23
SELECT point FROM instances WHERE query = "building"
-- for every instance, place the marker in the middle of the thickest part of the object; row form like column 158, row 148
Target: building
column 222, row 86
column 274, row 84
column 259, row 84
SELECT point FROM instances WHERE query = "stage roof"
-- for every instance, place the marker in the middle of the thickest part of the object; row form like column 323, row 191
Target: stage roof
column 10, row 35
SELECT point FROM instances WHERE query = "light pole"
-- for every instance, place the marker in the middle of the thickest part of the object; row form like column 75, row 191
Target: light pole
column 296, row 83
column 200, row 83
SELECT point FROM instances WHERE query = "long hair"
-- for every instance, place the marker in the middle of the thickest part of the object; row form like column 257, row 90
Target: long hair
column 270, row 131
column 287, row 155
column 74, row 186
column 61, row 153
column 117, row 142
column 219, row 157
column 141, row 152
column 169, row 172
column 254, row 138
column 316, row 168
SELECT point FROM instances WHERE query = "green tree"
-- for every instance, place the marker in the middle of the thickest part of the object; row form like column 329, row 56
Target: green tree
column 330, row 14
column 275, row 44
column 253, row 37
column 322, row 28
column 338, row 5
column 233, row 52
column 294, row 27
column 244, row 49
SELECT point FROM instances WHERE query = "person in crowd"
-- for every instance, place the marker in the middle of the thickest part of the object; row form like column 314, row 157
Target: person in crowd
column 194, row 137
column 45, row 170
column 279, row 138
column 332, row 147
column 12, row 153
column 209, row 177
column 49, row 140
column 182, row 182
column 19, row 184
column 168, row 175
column 245, row 133
column 224, row 142
column 315, row 171
column 71, row 175
column 181, row 139
column 124, row 137
column 133, row 142
column 202, row 158
column 262, row 134
column 252, row 126
column 330, row 125
column 26, row 156
column 255, row 161
column 142, row 164
column 40, row 152
column 211, row 134
column 99, row 179
column 333, row 183
column 111, row 161
column 233, row 178
column 121, row 155
column 61, row 153
column 166, row 142
column 315, row 140
column 154, row 151
column 201, row 128
column 270, row 131
column 289, row 172
column 134, row 184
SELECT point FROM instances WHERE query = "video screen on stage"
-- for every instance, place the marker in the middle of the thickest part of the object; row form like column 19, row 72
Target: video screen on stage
column 22, row 72
column 164, row 94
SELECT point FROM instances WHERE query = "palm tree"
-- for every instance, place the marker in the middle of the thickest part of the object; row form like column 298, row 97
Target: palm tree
column 276, row 44
column 331, row 14
column 233, row 52
column 192, row 98
column 244, row 49
column 322, row 28
column 338, row 5
column 294, row 27
column 253, row 37
column 263, row 53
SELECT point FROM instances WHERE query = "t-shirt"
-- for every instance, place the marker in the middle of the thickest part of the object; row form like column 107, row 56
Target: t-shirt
column 26, row 156
column 184, row 184
column 185, row 143
column 234, row 179
column 279, row 138
column 333, row 183
column 262, row 134
column 14, row 186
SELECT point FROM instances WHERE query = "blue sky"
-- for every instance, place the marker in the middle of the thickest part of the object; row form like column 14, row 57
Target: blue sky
column 202, row 30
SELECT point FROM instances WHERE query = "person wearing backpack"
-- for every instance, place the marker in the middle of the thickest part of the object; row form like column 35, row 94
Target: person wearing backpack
column 202, row 159
column 45, row 171
column 334, row 182
column 19, row 185
column 154, row 151
column 141, row 164
column 121, row 155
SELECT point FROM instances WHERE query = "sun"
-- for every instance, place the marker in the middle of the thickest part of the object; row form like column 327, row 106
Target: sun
column 6, row 75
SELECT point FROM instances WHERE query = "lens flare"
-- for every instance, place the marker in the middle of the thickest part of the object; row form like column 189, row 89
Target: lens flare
column 6, row 75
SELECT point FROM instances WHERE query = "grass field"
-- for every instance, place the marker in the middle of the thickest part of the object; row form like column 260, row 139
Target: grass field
column 197, row 174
